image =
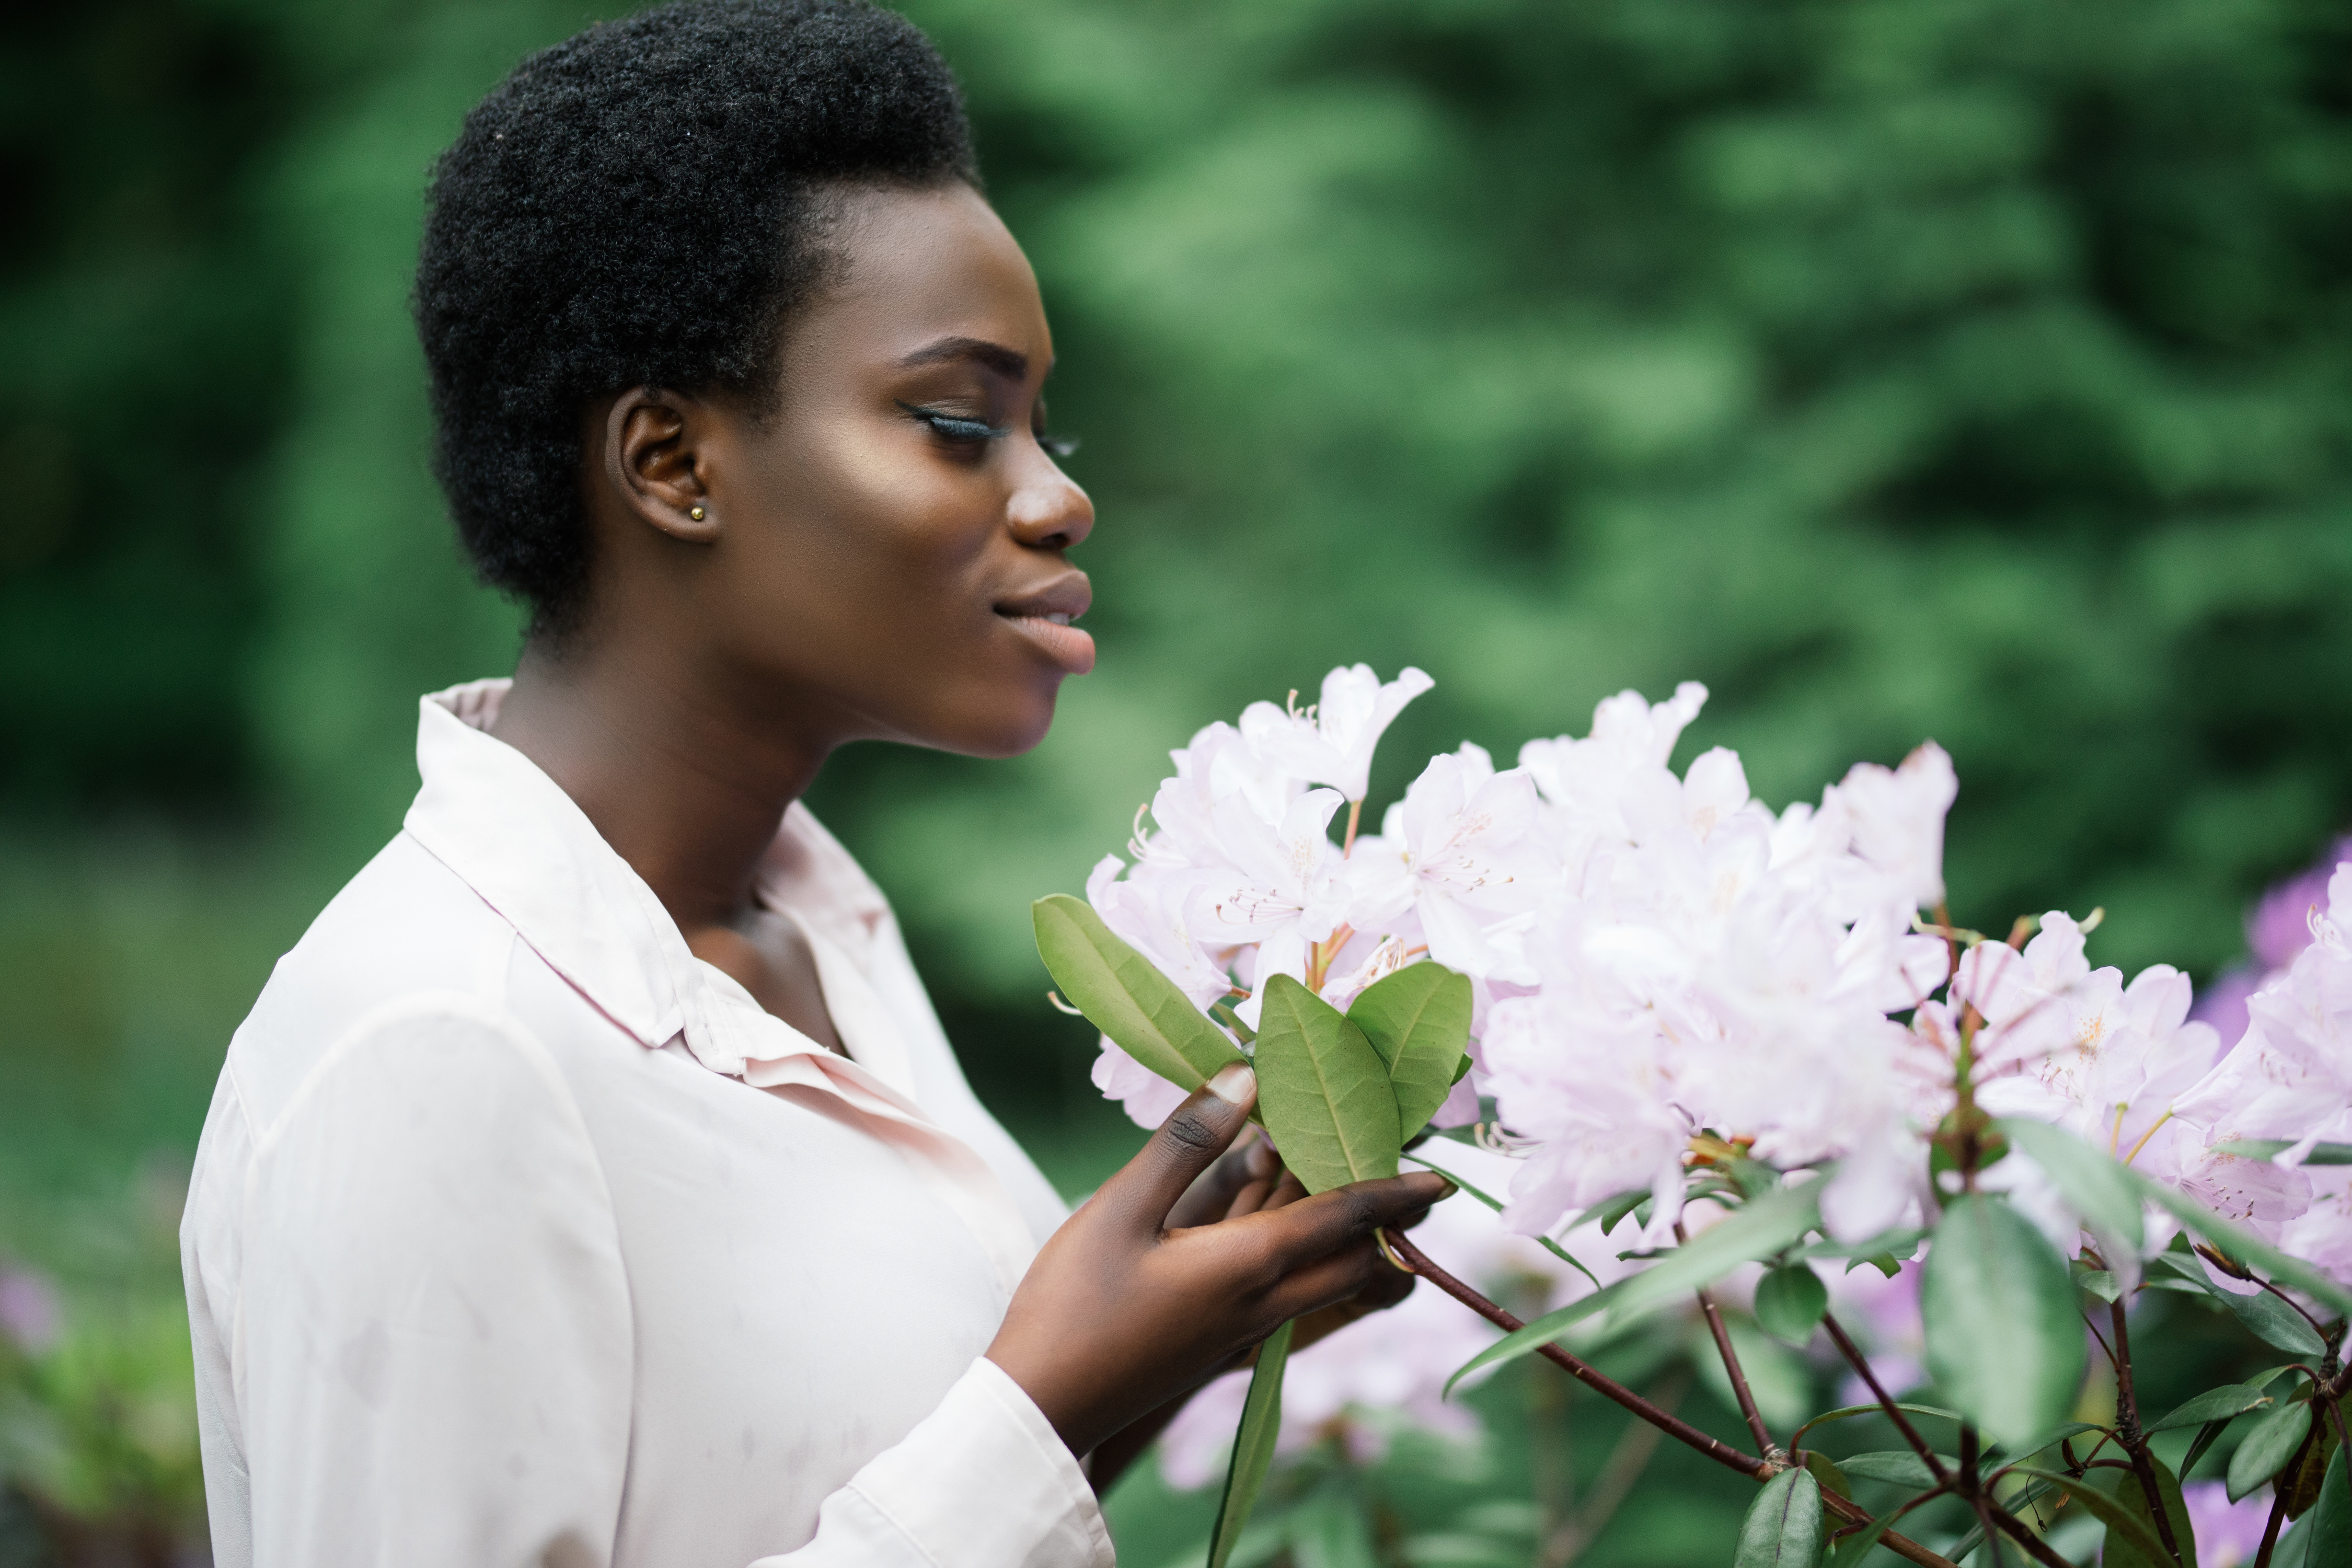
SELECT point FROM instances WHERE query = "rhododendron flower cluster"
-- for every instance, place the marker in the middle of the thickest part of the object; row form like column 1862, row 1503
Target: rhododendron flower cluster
column 1652, row 992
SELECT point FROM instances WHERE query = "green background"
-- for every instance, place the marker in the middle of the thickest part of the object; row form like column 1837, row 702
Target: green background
column 1964, row 369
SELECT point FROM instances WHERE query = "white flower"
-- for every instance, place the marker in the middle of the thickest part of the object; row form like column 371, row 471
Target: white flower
column 1147, row 1097
column 1461, row 852
column 1332, row 742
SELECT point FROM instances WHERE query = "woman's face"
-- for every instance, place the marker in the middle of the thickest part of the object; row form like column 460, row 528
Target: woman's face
column 882, row 554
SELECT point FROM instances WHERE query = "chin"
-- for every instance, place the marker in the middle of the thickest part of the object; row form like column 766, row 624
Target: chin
column 1008, row 726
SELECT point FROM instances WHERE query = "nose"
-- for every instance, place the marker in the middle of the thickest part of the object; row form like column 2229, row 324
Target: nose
column 1048, row 510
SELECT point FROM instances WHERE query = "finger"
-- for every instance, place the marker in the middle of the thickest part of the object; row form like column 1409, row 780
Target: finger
column 1211, row 1198
column 1287, row 1191
column 1304, row 1230
column 1337, row 1277
column 1250, row 1199
column 1146, row 1187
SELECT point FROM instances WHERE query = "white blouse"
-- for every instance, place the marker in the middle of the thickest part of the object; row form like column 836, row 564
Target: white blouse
column 519, row 1235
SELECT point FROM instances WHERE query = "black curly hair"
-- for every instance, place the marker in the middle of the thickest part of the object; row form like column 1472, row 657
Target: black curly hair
column 644, row 205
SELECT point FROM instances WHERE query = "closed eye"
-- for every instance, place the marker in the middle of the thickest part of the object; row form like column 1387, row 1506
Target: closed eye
column 955, row 427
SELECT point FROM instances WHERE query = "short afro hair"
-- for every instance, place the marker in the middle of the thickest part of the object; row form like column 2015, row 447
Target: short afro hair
column 642, row 205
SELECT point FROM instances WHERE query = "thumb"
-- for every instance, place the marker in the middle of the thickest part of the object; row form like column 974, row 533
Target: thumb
column 1187, row 1143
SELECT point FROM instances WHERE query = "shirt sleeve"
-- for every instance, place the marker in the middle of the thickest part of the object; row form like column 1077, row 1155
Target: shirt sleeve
column 434, row 1353
column 983, row 1481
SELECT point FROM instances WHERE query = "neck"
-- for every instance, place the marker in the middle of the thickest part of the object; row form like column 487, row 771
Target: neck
column 682, row 774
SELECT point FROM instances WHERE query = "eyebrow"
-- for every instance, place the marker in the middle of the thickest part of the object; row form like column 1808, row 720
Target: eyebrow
column 1010, row 364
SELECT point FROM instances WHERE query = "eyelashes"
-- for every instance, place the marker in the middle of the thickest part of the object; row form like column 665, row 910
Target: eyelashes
column 956, row 427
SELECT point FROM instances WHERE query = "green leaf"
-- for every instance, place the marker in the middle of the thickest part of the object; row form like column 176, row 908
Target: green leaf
column 1253, row 1447
column 2269, row 1148
column 1847, row 1412
column 2275, row 1323
column 1333, row 1530
column 2132, row 1498
column 2040, row 1440
column 2207, row 1435
column 2094, row 1183
column 2301, row 1482
column 1609, row 1211
column 2100, row 1282
column 1789, row 1302
column 1547, row 1243
column 1755, row 1229
column 1825, row 1470
column 1856, row 1546
column 2126, row 1532
column 2267, row 1446
column 2244, row 1246
column 2213, row 1404
column 2330, row 1523
column 1419, row 1020
column 1323, row 1090
column 1125, row 996
column 1783, row 1527
column 2003, row 1342
column 1900, row 1466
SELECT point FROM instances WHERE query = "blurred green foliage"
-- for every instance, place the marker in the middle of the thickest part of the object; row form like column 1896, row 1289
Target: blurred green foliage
column 1972, row 369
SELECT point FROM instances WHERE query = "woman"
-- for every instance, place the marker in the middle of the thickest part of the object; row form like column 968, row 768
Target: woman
column 591, row 1183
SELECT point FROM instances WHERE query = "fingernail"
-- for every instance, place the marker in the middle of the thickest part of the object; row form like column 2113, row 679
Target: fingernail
column 1235, row 1084
column 1450, row 1190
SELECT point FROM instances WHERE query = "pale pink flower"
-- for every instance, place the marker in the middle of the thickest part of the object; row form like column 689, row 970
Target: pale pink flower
column 1332, row 742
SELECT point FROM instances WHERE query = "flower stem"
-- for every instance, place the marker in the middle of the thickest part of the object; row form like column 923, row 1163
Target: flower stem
column 2128, row 1434
column 1861, row 1364
column 1763, row 1436
column 1672, row 1426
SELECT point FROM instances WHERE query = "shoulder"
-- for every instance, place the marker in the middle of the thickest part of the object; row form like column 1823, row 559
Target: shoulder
column 407, row 947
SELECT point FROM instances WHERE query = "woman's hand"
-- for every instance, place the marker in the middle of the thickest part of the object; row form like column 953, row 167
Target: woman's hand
column 1120, row 1312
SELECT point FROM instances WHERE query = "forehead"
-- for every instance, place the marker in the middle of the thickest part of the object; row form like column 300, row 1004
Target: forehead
column 917, row 266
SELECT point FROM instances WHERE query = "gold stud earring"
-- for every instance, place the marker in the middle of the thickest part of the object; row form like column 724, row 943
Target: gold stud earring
column 695, row 514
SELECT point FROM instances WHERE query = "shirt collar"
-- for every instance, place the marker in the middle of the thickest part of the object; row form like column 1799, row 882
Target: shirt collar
column 488, row 812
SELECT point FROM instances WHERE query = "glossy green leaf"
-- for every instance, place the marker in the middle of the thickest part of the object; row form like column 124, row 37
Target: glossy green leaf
column 1323, row 1090
column 2275, row 1323
column 2244, row 1246
column 2132, row 1496
column 2267, row 1446
column 1125, row 996
column 1419, row 1021
column 2330, row 1523
column 1609, row 1211
column 1847, row 1412
column 1784, row 1527
column 1853, row 1548
column 2301, row 1482
column 2126, row 1532
column 2043, row 1439
column 1253, row 1447
column 1547, row 1243
column 1756, row 1229
column 2094, row 1182
column 2003, row 1341
column 1789, row 1302
column 1898, row 1467
column 2100, row 1282
column 2213, row 1404
column 1825, row 1470
column 2207, row 1435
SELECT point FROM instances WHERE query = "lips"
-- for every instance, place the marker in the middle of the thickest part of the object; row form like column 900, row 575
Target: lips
column 1043, row 615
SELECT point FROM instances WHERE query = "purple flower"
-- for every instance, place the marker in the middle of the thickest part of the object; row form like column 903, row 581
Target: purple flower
column 2228, row 1533
column 29, row 1312
column 2280, row 925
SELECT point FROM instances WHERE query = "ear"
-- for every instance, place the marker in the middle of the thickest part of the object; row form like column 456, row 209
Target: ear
column 654, row 460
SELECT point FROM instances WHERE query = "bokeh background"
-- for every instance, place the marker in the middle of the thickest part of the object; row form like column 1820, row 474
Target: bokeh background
column 1964, row 369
